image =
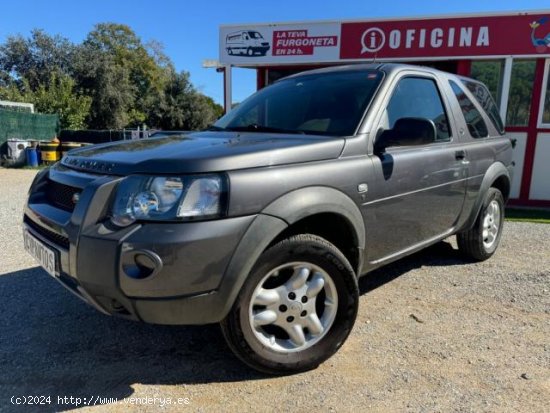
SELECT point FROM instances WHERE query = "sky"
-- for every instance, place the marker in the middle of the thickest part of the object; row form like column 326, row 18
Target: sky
column 189, row 29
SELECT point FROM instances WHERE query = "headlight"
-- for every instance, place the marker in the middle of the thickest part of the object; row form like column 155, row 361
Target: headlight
column 167, row 198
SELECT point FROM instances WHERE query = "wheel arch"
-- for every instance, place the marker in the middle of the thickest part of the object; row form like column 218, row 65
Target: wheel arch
column 497, row 176
column 282, row 218
column 312, row 203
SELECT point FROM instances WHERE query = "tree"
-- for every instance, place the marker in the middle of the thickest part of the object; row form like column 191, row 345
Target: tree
column 109, row 87
column 121, row 75
column 111, row 80
column 35, row 59
column 182, row 107
column 60, row 97
column 216, row 108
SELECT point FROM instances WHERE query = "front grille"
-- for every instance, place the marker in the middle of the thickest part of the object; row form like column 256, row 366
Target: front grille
column 51, row 236
column 61, row 195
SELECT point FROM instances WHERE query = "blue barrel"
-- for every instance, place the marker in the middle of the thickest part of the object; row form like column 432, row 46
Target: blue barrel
column 32, row 156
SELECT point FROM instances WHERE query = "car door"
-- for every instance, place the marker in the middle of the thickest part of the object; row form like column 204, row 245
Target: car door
column 420, row 187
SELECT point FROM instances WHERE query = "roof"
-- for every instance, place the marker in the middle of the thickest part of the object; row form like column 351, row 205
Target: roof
column 386, row 67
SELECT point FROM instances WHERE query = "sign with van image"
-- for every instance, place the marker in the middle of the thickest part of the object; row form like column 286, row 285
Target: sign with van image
column 288, row 43
column 246, row 42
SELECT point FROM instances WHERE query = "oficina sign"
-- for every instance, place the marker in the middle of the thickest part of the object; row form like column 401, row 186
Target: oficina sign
column 470, row 36
column 373, row 39
column 522, row 34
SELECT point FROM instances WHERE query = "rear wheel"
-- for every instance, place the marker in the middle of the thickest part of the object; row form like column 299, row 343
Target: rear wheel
column 481, row 242
column 296, row 309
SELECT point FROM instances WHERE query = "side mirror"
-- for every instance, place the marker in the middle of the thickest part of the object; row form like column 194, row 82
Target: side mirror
column 407, row 132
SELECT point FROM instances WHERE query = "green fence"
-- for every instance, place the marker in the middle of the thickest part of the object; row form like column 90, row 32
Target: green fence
column 94, row 136
column 21, row 125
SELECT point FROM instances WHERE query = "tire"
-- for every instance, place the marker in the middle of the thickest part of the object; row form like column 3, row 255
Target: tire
column 229, row 51
column 250, row 52
column 481, row 241
column 281, row 278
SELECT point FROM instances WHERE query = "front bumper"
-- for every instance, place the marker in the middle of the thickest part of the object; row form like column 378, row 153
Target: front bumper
column 97, row 262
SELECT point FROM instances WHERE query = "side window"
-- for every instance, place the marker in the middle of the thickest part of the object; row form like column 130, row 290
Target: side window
column 416, row 97
column 472, row 116
column 484, row 98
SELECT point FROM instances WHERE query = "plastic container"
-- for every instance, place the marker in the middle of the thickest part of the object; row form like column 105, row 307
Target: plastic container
column 16, row 150
column 50, row 152
column 32, row 156
column 67, row 146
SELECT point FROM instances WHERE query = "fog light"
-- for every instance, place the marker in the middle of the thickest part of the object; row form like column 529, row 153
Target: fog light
column 141, row 264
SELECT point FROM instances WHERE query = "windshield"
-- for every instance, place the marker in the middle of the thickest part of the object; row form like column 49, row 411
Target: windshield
column 322, row 104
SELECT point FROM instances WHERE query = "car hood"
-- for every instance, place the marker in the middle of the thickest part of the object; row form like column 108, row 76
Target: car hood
column 203, row 152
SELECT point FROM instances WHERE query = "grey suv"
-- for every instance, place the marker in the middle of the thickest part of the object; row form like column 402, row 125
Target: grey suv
column 264, row 222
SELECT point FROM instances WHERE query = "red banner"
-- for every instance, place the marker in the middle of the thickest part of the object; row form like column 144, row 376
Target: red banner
column 468, row 36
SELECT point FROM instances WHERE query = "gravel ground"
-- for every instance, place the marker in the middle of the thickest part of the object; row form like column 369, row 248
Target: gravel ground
column 434, row 333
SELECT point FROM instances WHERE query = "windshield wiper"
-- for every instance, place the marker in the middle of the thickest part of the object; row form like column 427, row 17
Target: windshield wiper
column 254, row 127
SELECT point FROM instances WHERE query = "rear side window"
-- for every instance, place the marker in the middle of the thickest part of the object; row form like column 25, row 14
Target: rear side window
column 483, row 96
column 416, row 97
column 472, row 116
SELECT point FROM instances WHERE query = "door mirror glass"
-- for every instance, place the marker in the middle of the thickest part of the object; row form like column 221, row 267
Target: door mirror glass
column 407, row 132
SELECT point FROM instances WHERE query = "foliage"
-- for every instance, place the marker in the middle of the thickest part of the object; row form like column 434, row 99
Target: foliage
column 60, row 97
column 488, row 72
column 111, row 80
column 34, row 59
column 181, row 107
column 109, row 87
column 216, row 108
column 521, row 88
column 117, row 70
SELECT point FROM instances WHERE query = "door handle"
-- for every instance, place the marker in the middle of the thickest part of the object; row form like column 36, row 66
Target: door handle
column 460, row 155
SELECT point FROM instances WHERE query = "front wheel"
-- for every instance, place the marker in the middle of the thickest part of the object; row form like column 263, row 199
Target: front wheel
column 481, row 242
column 296, row 309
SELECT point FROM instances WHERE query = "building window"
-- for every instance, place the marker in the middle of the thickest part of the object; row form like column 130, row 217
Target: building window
column 546, row 94
column 521, row 89
column 490, row 73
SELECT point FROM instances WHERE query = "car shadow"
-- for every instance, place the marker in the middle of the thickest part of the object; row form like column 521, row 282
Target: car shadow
column 439, row 254
column 53, row 344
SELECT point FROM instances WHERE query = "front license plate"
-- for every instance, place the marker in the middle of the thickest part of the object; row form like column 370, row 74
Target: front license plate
column 41, row 253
